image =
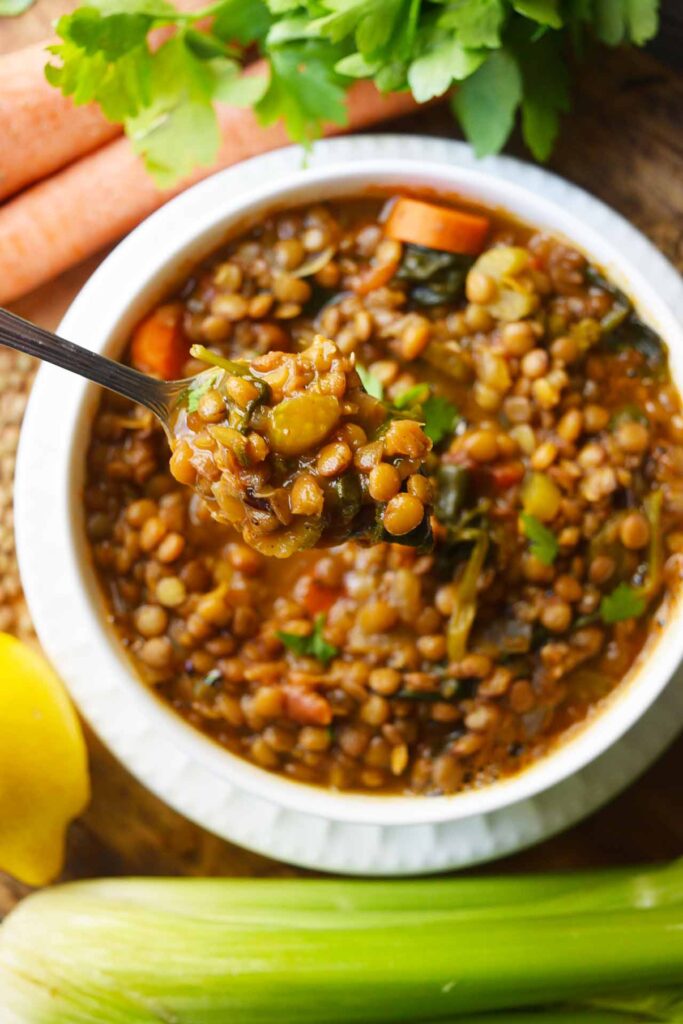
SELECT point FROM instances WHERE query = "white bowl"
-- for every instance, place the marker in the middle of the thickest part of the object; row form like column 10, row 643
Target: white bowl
column 58, row 578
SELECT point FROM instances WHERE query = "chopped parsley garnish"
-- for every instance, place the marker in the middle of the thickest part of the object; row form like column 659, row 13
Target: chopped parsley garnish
column 314, row 645
column 542, row 541
column 213, row 677
column 416, row 395
column 624, row 602
column 202, row 383
column 372, row 384
column 439, row 415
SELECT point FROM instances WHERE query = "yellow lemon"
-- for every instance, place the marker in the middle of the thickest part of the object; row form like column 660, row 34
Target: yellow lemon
column 43, row 765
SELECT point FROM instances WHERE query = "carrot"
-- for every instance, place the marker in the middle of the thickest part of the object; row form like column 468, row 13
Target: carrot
column 317, row 598
column 374, row 277
column 73, row 214
column 436, row 227
column 41, row 130
column 159, row 345
column 507, row 474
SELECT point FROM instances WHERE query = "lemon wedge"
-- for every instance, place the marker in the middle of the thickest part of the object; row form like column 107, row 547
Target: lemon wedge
column 43, row 765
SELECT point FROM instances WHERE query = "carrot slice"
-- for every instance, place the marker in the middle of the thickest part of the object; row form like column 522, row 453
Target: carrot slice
column 436, row 227
column 159, row 345
column 374, row 277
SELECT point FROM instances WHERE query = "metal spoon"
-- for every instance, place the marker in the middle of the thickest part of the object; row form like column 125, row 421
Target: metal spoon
column 159, row 396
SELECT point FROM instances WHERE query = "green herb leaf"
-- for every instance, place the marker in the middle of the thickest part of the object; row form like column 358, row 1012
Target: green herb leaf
column 416, row 395
column 623, row 603
column 104, row 58
column 372, row 384
column 213, row 677
column 242, row 21
column 202, row 383
column 314, row 645
column 444, row 62
column 544, row 11
column 546, row 91
column 304, row 90
column 506, row 54
column 543, row 542
column 440, row 417
column 622, row 21
column 476, row 22
column 486, row 102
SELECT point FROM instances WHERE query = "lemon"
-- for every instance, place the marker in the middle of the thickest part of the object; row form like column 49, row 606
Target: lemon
column 43, row 765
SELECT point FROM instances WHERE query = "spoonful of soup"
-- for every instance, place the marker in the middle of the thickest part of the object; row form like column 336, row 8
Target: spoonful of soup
column 289, row 449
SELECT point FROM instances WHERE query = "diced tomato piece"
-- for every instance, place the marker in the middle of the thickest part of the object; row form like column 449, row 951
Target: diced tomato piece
column 507, row 474
column 315, row 597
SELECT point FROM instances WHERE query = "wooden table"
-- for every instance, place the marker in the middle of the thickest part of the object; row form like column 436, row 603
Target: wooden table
column 623, row 143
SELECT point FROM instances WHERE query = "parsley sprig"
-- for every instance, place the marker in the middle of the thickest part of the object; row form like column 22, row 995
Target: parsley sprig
column 508, row 58
column 438, row 414
column 314, row 645
column 542, row 541
column 625, row 602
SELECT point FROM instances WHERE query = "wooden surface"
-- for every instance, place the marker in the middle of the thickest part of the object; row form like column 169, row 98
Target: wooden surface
column 623, row 143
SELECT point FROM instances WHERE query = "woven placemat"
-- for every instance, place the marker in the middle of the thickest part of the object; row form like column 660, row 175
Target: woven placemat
column 16, row 376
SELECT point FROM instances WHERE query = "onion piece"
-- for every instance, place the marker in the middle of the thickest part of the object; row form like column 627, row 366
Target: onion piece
column 314, row 263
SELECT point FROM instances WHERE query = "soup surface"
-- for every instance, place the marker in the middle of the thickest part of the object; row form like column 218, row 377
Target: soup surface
column 556, row 472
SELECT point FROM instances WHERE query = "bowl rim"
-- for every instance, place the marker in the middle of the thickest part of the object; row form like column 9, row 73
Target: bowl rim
column 141, row 265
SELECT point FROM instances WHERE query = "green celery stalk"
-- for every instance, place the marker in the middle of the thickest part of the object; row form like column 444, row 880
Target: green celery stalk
column 204, row 951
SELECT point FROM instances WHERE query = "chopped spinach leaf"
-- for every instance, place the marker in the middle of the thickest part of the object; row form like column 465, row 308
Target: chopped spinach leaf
column 435, row 277
column 452, row 484
column 314, row 645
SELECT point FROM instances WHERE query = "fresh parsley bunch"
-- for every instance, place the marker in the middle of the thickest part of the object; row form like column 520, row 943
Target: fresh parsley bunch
column 506, row 56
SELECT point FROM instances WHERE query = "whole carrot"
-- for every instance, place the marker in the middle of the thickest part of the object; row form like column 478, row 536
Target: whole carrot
column 96, row 200
column 41, row 130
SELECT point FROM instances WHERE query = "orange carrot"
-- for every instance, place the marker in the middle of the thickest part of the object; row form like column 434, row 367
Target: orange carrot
column 90, row 204
column 159, row 345
column 374, row 277
column 41, row 130
column 436, row 227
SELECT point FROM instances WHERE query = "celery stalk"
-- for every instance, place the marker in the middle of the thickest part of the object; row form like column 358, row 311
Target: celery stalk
column 204, row 951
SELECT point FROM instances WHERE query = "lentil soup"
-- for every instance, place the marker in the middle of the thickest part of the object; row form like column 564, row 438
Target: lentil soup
column 556, row 476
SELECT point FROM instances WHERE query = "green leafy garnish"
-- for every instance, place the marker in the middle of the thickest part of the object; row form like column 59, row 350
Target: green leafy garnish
column 413, row 396
column 373, row 385
column 440, row 418
column 542, row 541
column 213, row 677
column 202, row 383
column 508, row 57
column 314, row 645
column 434, row 276
column 624, row 602
column 438, row 414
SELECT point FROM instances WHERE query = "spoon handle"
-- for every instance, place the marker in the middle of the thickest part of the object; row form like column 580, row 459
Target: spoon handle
column 24, row 336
